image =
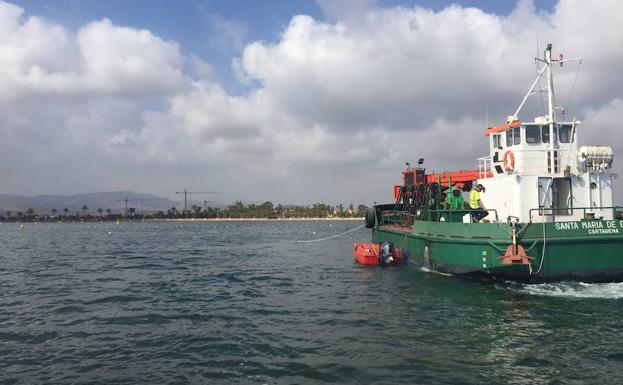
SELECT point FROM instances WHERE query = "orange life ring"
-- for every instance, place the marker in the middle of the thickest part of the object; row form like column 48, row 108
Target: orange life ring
column 508, row 160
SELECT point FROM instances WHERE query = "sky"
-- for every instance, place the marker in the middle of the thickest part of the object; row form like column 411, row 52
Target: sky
column 293, row 102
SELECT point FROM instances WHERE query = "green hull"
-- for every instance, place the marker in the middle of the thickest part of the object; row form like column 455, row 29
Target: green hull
column 590, row 251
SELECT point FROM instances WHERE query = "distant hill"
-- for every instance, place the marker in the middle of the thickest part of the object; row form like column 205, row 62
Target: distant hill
column 114, row 200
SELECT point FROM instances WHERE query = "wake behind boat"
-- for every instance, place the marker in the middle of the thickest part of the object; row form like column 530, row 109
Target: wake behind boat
column 549, row 213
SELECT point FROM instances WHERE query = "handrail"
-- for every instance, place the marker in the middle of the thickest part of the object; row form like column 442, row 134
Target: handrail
column 405, row 218
column 485, row 165
column 396, row 217
column 463, row 211
column 551, row 211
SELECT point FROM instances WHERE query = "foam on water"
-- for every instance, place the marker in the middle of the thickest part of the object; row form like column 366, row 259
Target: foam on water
column 572, row 289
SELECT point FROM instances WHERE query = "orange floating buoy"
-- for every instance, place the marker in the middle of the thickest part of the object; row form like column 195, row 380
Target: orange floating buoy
column 372, row 254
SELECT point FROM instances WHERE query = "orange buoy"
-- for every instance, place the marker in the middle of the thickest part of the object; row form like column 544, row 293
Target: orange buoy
column 372, row 254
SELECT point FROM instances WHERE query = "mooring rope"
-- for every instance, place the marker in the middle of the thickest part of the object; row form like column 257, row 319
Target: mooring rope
column 331, row 237
column 543, row 251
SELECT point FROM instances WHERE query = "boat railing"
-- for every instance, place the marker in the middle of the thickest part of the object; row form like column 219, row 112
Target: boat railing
column 588, row 213
column 532, row 160
column 485, row 166
column 395, row 217
column 458, row 215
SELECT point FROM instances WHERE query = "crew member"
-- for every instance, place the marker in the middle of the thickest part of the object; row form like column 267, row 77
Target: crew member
column 478, row 209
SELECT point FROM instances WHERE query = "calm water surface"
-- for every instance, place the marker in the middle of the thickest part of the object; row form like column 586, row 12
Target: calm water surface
column 236, row 302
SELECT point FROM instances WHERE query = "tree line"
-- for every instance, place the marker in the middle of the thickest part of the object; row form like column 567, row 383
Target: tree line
column 237, row 209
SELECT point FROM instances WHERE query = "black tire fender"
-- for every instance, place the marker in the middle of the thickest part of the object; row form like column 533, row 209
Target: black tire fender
column 370, row 217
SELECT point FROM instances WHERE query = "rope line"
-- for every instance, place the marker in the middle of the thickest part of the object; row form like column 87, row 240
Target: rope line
column 543, row 252
column 331, row 237
column 567, row 107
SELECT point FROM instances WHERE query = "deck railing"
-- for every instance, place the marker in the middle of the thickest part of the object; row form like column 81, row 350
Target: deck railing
column 485, row 166
column 587, row 212
column 445, row 215
column 394, row 216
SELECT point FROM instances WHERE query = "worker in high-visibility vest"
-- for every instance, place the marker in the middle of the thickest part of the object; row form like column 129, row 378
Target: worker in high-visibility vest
column 478, row 209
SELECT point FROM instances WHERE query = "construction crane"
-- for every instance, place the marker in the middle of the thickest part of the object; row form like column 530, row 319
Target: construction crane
column 126, row 200
column 186, row 192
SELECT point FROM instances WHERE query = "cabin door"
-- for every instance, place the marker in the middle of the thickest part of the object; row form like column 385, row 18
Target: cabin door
column 555, row 196
column 545, row 196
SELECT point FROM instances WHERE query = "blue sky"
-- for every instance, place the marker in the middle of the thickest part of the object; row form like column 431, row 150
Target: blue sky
column 295, row 101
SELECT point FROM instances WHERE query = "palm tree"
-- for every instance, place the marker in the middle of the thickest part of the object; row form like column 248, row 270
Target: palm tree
column 99, row 212
column 172, row 211
column 65, row 211
column 30, row 213
column 54, row 212
column 196, row 209
column 84, row 210
column 108, row 212
column 8, row 214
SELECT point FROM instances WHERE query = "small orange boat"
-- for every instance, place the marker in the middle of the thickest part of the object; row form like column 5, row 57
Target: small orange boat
column 377, row 254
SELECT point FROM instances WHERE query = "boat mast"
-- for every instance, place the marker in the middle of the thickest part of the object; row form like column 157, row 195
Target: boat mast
column 551, row 101
column 552, row 162
column 550, row 85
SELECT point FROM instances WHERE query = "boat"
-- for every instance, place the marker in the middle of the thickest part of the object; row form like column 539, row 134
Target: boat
column 549, row 203
column 377, row 254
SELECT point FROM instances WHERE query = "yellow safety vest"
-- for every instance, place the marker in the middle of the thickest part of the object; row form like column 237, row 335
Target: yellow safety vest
column 474, row 197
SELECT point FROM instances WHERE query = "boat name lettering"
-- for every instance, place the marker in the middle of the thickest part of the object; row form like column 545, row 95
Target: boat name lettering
column 603, row 231
column 593, row 227
column 567, row 226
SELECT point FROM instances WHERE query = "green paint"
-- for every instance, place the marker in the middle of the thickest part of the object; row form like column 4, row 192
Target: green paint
column 591, row 250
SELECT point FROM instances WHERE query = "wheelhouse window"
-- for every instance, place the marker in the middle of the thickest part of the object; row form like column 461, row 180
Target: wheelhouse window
column 533, row 134
column 545, row 134
column 497, row 141
column 564, row 133
column 513, row 136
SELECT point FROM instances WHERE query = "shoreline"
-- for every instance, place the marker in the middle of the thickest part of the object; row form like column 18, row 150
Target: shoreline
column 248, row 219
column 197, row 220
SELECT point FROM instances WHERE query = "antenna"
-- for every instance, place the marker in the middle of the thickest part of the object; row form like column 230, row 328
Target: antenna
column 126, row 200
column 547, row 67
column 186, row 192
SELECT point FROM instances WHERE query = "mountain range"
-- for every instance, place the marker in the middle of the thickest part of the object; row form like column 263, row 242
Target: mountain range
column 113, row 200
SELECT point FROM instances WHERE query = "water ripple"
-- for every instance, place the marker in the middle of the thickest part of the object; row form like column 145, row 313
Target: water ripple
column 232, row 303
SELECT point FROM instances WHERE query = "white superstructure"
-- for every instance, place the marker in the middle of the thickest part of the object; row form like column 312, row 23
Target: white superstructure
column 535, row 171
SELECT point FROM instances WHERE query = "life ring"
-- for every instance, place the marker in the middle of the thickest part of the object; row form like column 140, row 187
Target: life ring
column 508, row 160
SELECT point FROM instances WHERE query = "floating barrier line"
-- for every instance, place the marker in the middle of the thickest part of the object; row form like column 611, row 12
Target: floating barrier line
column 331, row 237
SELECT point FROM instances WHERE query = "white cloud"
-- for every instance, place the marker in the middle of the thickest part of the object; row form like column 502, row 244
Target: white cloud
column 339, row 103
column 42, row 58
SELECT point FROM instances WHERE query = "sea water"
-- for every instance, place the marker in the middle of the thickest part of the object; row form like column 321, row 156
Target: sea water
column 241, row 303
